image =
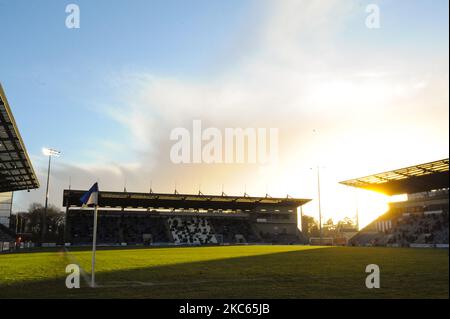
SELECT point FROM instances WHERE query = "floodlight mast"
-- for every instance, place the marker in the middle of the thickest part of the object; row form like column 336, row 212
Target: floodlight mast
column 48, row 152
column 319, row 203
column 51, row 152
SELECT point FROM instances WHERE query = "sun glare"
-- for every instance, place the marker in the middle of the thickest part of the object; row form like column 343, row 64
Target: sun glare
column 370, row 206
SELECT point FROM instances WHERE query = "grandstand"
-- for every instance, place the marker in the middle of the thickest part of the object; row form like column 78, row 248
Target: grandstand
column 16, row 171
column 182, row 219
column 419, row 221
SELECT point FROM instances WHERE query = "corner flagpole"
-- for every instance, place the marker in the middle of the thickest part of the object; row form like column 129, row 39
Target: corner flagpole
column 94, row 244
column 91, row 198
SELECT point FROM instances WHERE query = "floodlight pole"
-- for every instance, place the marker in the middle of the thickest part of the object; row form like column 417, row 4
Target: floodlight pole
column 17, row 222
column 320, row 207
column 44, row 220
column 318, row 193
column 357, row 209
column 49, row 152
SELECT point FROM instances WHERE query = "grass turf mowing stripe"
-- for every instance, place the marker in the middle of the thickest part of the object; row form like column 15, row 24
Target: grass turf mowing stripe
column 246, row 272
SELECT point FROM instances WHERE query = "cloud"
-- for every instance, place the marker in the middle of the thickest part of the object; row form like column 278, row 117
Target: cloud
column 330, row 107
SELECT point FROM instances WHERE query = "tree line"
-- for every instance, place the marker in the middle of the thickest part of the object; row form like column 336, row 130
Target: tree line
column 28, row 225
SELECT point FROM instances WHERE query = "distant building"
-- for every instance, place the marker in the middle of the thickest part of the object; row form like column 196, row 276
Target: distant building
column 5, row 208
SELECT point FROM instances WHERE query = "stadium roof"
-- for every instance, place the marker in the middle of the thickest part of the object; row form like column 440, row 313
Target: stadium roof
column 186, row 201
column 408, row 180
column 16, row 171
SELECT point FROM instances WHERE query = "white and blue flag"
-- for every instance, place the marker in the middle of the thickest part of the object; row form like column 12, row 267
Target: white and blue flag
column 91, row 196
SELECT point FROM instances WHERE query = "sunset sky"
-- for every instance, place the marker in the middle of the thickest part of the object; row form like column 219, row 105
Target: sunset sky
column 349, row 99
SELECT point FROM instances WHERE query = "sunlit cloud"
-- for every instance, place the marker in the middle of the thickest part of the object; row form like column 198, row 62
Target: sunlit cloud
column 332, row 109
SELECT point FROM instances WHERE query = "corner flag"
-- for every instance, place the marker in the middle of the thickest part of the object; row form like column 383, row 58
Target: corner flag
column 91, row 196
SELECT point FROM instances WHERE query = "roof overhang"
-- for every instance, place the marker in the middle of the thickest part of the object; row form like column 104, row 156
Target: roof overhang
column 174, row 201
column 16, row 170
column 408, row 180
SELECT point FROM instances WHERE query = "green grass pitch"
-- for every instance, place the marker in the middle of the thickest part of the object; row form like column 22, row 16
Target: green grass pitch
column 229, row 272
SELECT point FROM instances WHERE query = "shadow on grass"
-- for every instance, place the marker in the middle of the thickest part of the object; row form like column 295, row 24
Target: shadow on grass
column 314, row 273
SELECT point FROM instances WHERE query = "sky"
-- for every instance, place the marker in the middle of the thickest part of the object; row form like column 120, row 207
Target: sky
column 346, row 98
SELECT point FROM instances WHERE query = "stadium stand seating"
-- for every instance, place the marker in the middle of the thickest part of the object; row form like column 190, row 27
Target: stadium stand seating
column 119, row 228
column 419, row 228
column 233, row 230
column 191, row 219
column 369, row 239
column 145, row 228
column 211, row 230
column 191, row 230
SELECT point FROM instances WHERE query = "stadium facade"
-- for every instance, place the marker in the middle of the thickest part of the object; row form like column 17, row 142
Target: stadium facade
column 419, row 221
column 151, row 218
